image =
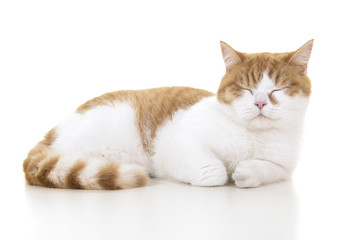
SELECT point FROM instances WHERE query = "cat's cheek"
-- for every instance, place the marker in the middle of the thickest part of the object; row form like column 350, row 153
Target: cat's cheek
column 295, row 104
column 245, row 108
column 283, row 101
column 281, row 97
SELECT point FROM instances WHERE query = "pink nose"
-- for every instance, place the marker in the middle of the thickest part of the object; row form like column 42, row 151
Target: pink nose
column 260, row 105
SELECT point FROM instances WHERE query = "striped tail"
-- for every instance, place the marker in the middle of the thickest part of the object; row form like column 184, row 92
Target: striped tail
column 43, row 168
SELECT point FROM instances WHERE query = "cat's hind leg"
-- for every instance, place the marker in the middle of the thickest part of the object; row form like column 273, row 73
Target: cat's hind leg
column 96, row 149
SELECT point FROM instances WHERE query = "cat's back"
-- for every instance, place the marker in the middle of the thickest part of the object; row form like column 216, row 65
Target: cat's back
column 152, row 107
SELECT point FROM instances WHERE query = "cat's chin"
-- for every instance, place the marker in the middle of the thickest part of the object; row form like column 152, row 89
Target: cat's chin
column 262, row 116
column 261, row 122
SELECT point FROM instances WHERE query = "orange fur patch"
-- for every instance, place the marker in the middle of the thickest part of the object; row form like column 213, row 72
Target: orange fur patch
column 107, row 176
column 72, row 179
column 37, row 171
column 135, row 178
column 49, row 138
column 44, row 171
column 141, row 179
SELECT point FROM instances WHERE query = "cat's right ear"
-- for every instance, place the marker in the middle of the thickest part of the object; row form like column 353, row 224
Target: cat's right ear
column 229, row 54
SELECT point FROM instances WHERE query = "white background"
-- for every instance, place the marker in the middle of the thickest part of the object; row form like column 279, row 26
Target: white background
column 54, row 55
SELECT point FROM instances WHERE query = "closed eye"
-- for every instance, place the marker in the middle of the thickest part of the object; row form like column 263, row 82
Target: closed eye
column 249, row 90
column 242, row 88
column 276, row 90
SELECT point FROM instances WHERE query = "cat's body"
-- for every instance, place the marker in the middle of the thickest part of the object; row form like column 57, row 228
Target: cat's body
column 248, row 132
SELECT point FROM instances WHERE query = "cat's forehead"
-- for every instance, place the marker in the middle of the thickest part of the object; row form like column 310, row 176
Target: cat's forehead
column 260, row 70
column 265, row 82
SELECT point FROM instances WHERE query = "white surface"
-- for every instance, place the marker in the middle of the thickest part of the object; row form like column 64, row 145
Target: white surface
column 54, row 55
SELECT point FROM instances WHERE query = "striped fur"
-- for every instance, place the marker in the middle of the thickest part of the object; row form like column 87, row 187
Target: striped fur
column 41, row 161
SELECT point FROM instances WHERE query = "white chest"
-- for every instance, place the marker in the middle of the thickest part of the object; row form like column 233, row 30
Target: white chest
column 232, row 143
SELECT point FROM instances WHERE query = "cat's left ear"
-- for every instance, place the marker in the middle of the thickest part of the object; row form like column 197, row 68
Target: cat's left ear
column 302, row 55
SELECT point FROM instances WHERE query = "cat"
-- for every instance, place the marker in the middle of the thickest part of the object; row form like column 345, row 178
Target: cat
column 247, row 134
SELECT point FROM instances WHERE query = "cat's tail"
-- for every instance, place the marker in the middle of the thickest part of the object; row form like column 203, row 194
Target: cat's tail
column 43, row 167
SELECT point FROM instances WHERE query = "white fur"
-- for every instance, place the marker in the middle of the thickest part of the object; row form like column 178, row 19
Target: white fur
column 206, row 145
column 104, row 132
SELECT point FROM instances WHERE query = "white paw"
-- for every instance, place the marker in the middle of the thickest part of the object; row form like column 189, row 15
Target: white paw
column 245, row 175
column 210, row 175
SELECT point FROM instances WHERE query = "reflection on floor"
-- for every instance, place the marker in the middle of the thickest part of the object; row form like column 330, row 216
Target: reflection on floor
column 165, row 210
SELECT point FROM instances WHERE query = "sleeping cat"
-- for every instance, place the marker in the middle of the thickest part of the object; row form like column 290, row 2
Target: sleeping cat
column 248, row 133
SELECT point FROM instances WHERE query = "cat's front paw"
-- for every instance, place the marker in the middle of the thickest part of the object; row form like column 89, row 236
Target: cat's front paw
column 210, row 175
column 245, row 175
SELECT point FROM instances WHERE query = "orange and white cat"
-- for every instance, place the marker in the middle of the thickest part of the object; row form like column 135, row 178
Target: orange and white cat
column 248, row 133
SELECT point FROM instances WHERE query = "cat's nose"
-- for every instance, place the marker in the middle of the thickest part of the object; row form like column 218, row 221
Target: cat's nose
column 260, row 105
column 261, row 99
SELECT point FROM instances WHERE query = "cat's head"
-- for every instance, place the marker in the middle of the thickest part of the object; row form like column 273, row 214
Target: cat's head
column 265, row 90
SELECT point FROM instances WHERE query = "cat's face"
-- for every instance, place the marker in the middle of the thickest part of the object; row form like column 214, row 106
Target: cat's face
column 266, row 90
